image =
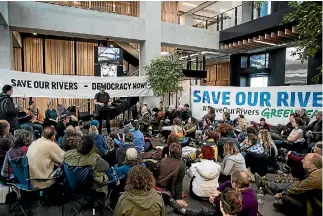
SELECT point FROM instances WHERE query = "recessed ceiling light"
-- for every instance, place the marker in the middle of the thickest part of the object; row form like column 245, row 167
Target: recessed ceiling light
column 189, row 4
column 34, row 33
column 111, row 45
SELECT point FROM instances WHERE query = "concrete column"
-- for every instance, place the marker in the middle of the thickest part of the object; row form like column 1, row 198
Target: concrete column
column 150, row 48
column 5, row 48
column 189, row 20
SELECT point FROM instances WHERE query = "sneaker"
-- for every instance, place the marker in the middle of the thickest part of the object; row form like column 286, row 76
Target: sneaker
column 157, row 136
column 175, row 206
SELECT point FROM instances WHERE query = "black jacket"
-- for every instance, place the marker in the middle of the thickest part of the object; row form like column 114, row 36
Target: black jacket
column 171, row 116
column 8, row 111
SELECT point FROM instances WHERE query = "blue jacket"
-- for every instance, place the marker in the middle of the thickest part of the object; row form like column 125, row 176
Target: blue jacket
column 125, row 169
column 138, row 139
column 100, row 143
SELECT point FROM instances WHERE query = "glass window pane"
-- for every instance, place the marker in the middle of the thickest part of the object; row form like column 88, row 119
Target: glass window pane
column 259, row 81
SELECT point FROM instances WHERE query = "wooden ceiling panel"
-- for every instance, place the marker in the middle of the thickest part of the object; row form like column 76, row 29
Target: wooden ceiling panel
column 262, row 41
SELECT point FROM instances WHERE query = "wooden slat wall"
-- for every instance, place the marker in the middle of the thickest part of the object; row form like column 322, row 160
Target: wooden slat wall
column 218, row 74
column 59, row 59
column 130, row 8
column 169, row 11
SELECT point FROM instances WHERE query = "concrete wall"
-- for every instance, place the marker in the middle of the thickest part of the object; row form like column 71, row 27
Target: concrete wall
column 4, row 13
column 52, row 19
column 189, row 37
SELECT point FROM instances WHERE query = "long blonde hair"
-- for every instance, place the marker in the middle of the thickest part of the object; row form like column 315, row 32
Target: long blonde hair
column 93, row 130
column 266, row 139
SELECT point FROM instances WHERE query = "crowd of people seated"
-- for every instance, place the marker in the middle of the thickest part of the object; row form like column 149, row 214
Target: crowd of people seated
column 221, row 158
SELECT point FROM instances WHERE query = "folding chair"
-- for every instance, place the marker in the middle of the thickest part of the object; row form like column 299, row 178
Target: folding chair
column 80, row 182
column 23, row 183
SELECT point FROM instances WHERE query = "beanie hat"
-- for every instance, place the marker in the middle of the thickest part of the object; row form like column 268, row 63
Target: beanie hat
column 131, row 154
column 95, row 123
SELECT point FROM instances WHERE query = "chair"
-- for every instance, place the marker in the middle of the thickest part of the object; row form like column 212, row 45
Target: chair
column 23, row 182
column 80, row 183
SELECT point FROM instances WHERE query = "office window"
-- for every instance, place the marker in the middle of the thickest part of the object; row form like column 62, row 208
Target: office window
column 259, row 81
column 259, row 61
column 244, row 60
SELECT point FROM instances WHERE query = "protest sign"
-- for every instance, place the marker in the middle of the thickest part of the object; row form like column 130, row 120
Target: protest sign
column 274, row 103
column 65, row 86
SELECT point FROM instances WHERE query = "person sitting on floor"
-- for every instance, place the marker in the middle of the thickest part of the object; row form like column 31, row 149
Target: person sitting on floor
column 302, row 114
column 69, row 134
column 302, row 198
column 172, row 172
column 190, row 128
column 233, row 161
column 263, row 124
column 242, row 129
column 269, row 146
column 132, row 159
column 210, row 116
column 140, row 198
column 314, row 129
column 185, row 113
column 285, row 130
column 294, row 162
column 61, row 126
column 295, row 137
column 176, row 128
column 84, row 156
column 18, row 149
column 204, row 175
column 24, row 119
column 125, row 144
column 252, row 145
column 211, row 137
column 144, row 120
column 226, row 118
column 227, row 134
column 239, row 182
column 172, row 138
column 138, row 137
column 98, row 139
column 43, row 155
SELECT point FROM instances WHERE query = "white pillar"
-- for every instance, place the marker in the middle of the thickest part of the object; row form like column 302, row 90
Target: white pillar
column 5, row 48
column 189, row 19
column 150, row 48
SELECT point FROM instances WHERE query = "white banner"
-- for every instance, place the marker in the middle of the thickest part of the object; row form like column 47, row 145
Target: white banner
column 65, row 86
column 274, row 103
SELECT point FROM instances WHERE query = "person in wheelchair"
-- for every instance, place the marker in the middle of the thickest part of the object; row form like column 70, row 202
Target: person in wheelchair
column 84, row 156
column 144, row 120
column 296, row 136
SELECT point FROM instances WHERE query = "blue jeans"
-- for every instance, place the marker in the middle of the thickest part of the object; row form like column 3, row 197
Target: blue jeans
column 244, row 154
column 278, row 142
column 36, row 126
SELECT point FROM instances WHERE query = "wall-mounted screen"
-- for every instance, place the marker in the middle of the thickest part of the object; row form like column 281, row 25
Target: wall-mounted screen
column 295, row 71
column 259, row 61
column 108, row 62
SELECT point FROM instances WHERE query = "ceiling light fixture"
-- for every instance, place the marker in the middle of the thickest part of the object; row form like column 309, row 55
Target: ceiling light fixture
column 208, row 52
column 189, row 4
column 164, row 53
column 263, row 42
column 34, row 33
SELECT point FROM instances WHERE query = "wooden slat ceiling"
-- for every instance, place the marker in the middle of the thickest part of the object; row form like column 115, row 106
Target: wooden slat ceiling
column 262, row 41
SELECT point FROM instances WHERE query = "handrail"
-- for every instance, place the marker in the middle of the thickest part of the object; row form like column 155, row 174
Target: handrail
column 86, row 101
column 219, row 15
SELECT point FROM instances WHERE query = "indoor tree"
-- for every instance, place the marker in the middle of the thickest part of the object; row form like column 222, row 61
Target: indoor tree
column 308, row 19
column 164, row 75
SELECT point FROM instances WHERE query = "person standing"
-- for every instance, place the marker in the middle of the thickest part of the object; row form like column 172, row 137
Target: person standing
column 102, row 99
column 8, row 111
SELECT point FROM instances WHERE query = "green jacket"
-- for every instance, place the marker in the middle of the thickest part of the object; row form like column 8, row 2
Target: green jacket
column 311, row 189
column 140, row 203
column 100, row 167
column 185, row 115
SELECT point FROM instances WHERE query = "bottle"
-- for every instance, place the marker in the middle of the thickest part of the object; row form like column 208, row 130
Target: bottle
column 260, row 195
column 115, row 175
